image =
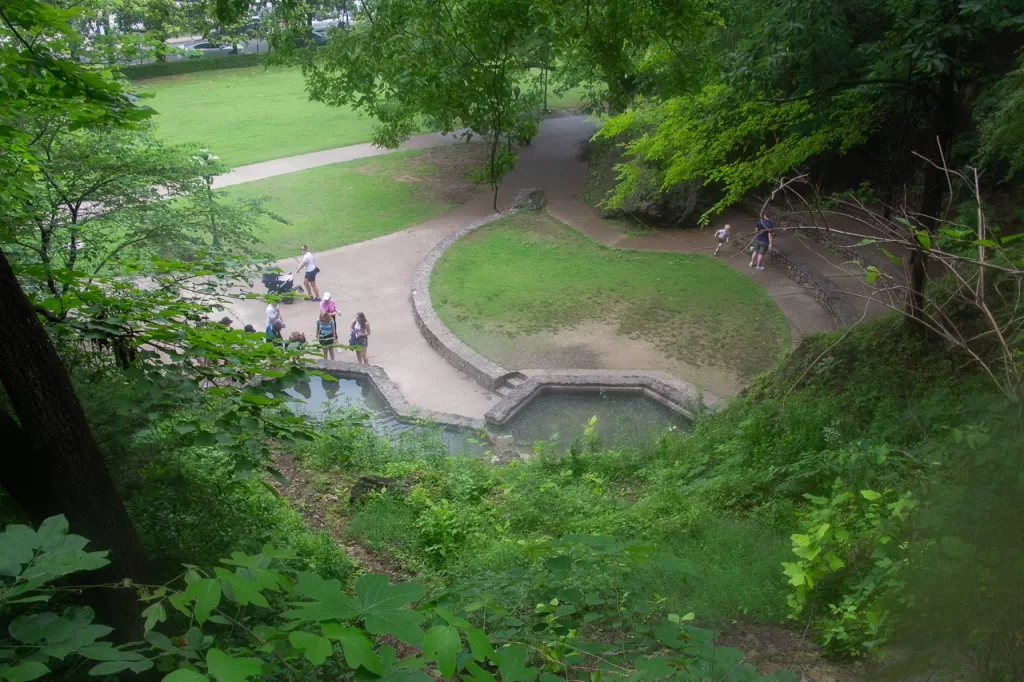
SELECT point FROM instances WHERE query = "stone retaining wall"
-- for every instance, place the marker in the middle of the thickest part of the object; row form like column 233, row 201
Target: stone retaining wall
column 455, row 352
column 676, row 394
column 846, row 246
column 394, row 398
column 826, row 292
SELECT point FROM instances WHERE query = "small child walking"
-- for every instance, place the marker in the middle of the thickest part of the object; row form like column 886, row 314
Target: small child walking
column 722, row 236
column 327, row 334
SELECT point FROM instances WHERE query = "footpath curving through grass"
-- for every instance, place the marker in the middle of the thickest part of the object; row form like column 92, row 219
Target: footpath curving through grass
column 350, row 202
column 529, row 273
column 249, row 115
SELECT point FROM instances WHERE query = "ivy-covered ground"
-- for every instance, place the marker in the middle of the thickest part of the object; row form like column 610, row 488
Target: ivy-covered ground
column 508, row 287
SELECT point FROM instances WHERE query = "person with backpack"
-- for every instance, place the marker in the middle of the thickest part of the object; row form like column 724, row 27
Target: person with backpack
column 327, row 334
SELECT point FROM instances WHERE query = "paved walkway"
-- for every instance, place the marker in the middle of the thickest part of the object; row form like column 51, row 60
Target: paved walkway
column 374, row 276
column 290, row 164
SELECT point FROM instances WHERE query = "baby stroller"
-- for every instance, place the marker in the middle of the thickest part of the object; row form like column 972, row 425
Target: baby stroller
column 280, row 284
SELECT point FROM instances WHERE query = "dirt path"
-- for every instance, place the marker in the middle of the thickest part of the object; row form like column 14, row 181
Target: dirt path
column 322, row 499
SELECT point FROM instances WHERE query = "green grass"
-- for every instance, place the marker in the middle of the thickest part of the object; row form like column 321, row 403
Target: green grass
column 255, row 114
column 530, row 273
column 344, row 203
column 250, row 115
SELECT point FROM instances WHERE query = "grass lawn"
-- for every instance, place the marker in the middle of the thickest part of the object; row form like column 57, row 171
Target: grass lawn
column 250, row 115
column 349, row 202
column 529, row 273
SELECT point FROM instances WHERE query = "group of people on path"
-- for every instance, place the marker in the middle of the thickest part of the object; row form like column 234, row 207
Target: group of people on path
column 762, row 241
column 326, row 329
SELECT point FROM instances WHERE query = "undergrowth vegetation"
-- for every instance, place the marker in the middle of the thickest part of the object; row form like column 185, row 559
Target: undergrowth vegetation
column 869, row 501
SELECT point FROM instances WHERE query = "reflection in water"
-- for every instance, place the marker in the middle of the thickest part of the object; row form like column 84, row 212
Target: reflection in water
column 622, row 418
column 303, row 389
column 321, row 397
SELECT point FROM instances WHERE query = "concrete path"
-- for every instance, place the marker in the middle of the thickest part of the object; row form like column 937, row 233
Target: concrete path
column 290, row 164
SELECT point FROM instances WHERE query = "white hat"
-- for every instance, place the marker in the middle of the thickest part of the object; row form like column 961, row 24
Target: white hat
column 327, row 295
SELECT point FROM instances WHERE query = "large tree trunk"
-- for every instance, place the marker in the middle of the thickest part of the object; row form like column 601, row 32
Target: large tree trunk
column 51, row 462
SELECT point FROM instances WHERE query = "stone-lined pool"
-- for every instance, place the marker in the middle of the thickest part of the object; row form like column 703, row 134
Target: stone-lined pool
column 624, row 417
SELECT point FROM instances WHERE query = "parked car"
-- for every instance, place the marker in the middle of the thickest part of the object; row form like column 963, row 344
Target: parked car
column 207, row 49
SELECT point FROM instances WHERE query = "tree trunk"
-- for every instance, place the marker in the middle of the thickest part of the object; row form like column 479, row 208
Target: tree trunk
column 52, row 464
column 942, row 130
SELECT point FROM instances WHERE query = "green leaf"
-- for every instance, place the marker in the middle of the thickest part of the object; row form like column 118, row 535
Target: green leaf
column 155, row 613
column 380, row 604
column 374, row 593
column 870, row 495
column 206, row 592
column 512, row 664
column 442, row 643
column 357, row 647
column 478, row 674
column 109, row 668
column 29, row 670
column 479, row 644
column 52, row 532
column 227, row 668
column 315, row 647
column 186, row 675
column 330, row 604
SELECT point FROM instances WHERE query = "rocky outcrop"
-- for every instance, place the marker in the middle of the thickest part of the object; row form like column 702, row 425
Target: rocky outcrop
column 678, row 205
column 531, row 199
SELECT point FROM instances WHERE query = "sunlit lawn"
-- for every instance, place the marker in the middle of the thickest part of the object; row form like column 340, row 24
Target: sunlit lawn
column 250, row 115
column 344, row 203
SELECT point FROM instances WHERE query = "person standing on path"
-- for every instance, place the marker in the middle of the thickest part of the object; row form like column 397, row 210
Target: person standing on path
column 762, row 241
column 311, row 271
column 273, row 314
column 360, row 337
column 328, row 306
column 327, row 334
column 722, row 236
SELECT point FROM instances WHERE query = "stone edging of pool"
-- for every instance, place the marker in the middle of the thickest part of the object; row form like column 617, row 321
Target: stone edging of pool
column 677, row 395
column 394, row 398
column 457, row 354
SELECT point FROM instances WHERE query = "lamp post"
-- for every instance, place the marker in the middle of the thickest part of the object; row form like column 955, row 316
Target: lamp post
column 205, row 158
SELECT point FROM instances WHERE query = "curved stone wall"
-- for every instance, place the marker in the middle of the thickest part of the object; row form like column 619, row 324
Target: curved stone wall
column 455, row 352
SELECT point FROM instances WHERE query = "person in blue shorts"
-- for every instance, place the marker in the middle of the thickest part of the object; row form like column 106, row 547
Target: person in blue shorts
column 762, row 241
